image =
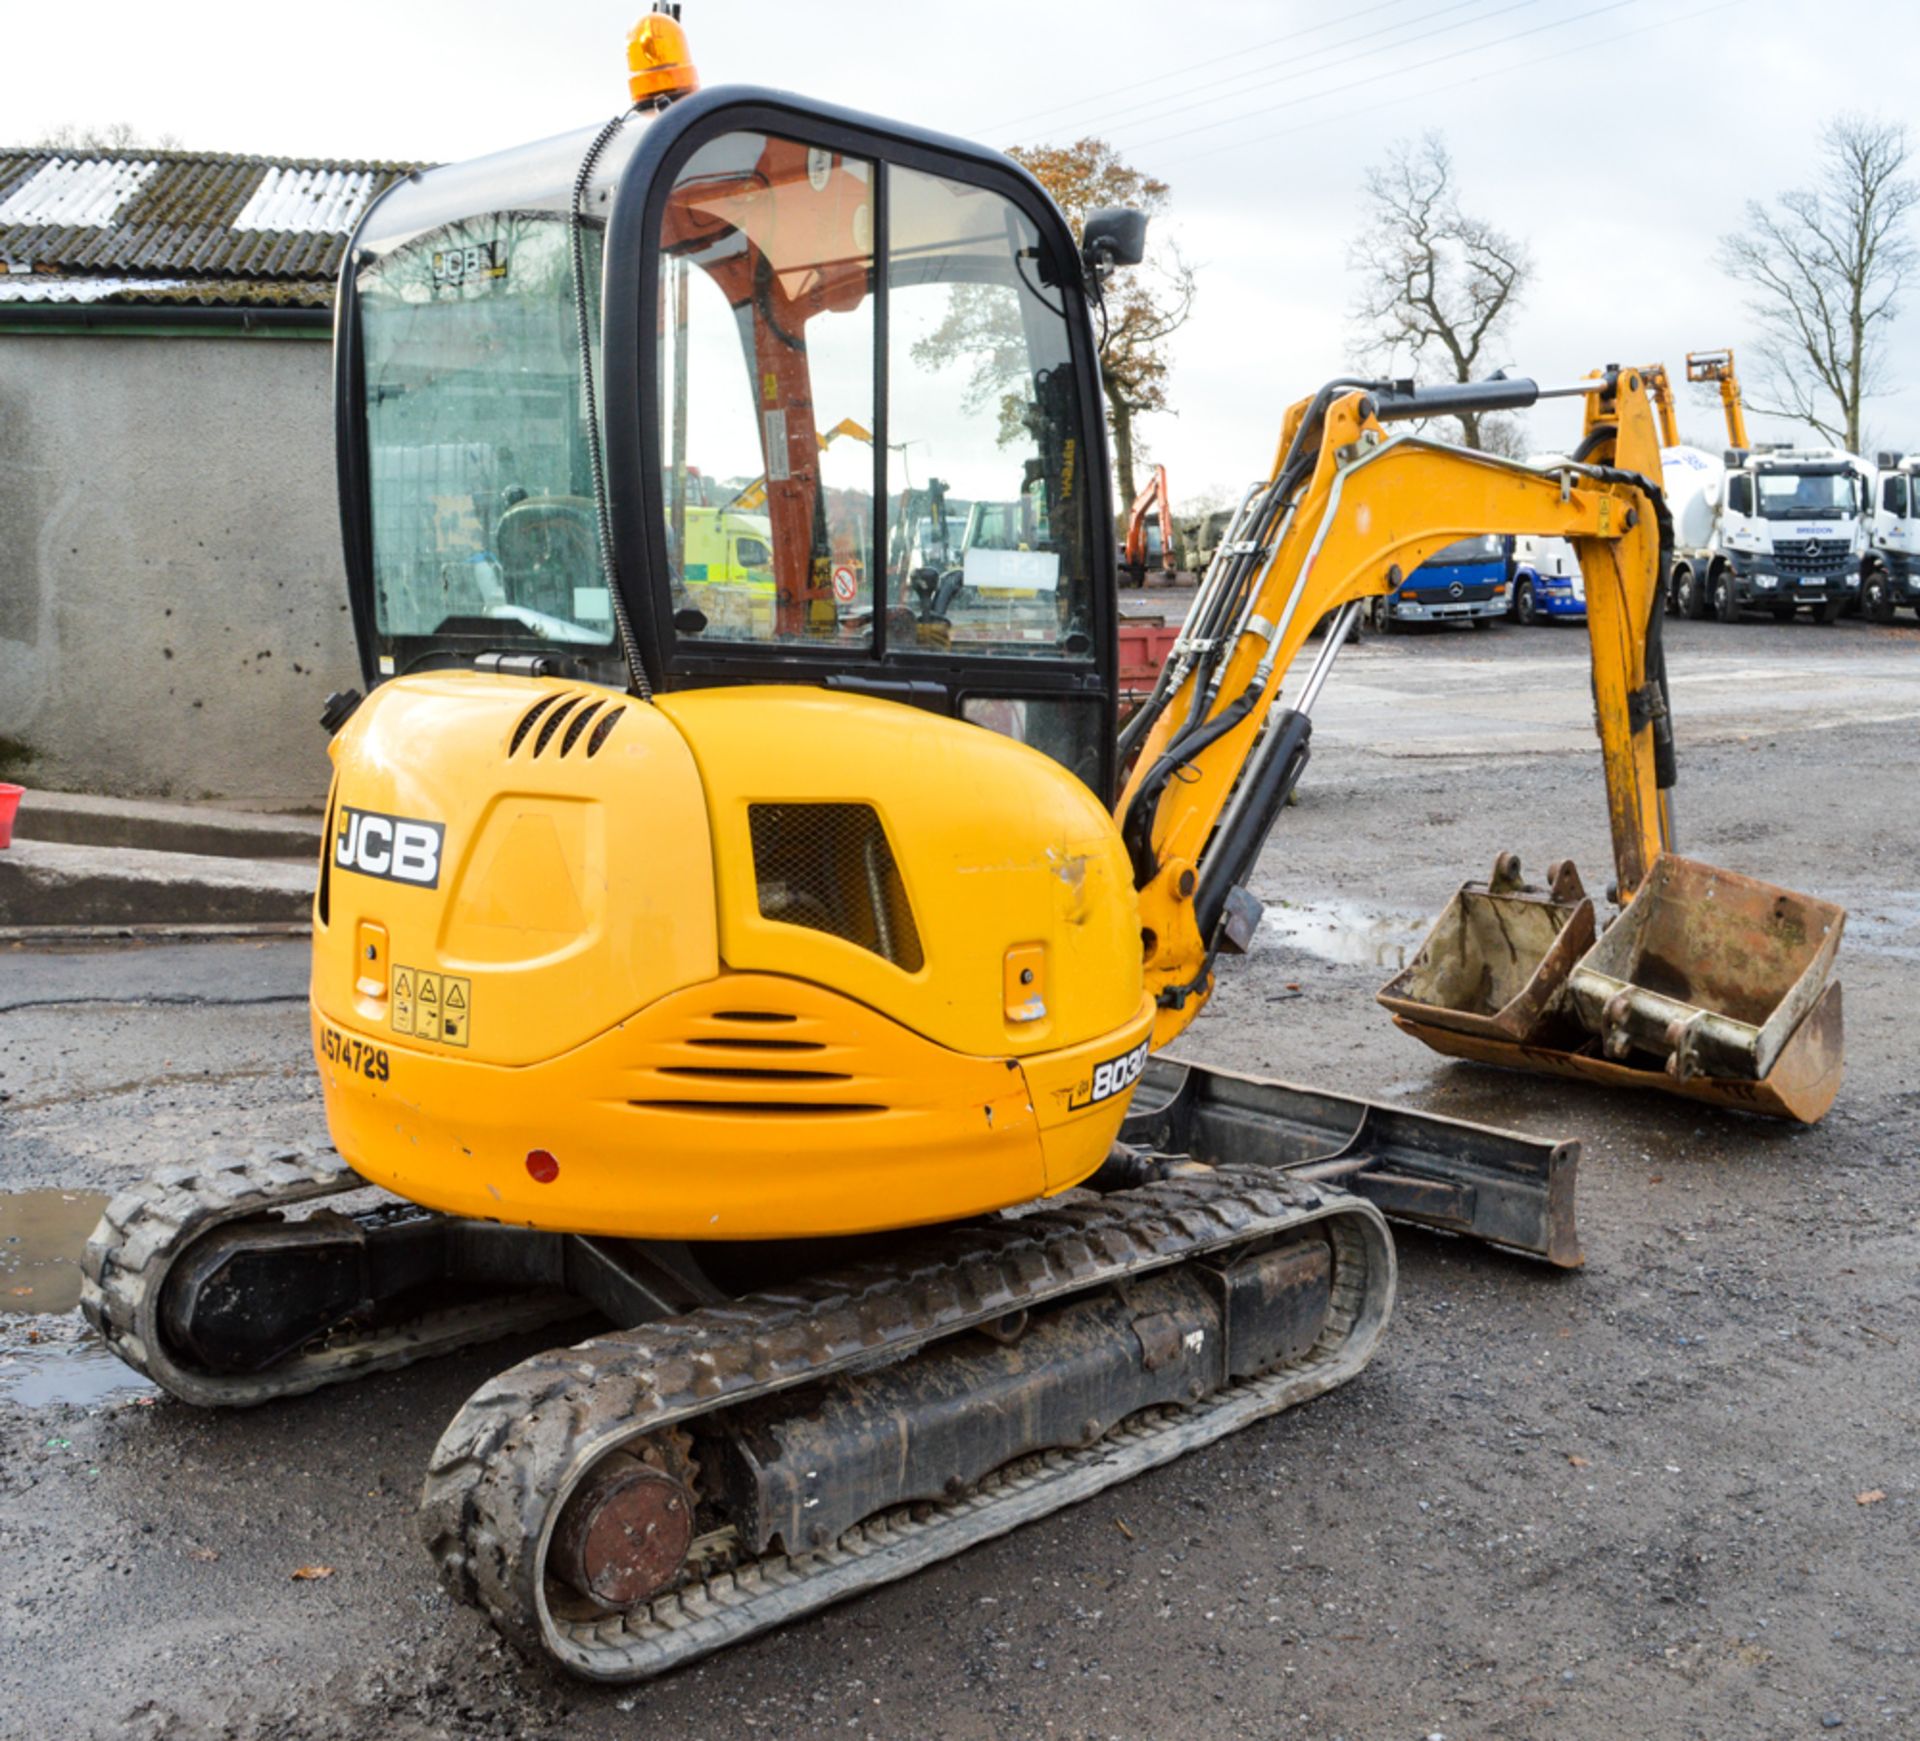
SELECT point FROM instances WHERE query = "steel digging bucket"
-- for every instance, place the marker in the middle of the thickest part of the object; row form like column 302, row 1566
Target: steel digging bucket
column 1495, row 964
column 1709, row 985
column 1711, row 971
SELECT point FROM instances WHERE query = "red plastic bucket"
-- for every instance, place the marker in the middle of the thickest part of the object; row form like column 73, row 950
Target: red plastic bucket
column 10, row 797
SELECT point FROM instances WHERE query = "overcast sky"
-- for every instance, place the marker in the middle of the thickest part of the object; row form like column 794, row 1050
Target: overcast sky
column 1619, row 137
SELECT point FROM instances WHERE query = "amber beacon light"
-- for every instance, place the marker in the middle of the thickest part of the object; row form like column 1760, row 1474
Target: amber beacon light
column 657, row 60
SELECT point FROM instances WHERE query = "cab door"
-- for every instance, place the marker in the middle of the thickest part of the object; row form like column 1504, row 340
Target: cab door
column 777, row 272
column 1892, row 525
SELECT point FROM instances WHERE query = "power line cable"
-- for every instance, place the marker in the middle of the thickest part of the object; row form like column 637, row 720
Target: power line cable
column 1194, row 66
column 1296, row 71
column 1451, row 85
column 1396, row 72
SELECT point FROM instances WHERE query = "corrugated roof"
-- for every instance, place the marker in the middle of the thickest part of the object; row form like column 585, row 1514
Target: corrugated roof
column 83, row 193
column 178, row 226
column 307, row 201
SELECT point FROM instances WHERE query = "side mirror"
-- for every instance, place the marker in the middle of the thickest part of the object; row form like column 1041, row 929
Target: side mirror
column 1114, row 236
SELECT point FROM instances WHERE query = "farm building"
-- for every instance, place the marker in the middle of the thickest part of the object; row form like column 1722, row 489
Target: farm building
column 172, row 604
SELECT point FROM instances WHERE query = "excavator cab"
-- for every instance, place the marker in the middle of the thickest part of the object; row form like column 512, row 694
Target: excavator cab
column 773, row 276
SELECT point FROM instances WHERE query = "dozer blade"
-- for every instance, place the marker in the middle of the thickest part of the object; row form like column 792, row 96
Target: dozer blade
column 1509, row 1189
column 1709, row 984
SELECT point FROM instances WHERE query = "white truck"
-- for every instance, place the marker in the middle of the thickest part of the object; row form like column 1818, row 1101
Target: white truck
column 1891, row 576
column 1778, row 529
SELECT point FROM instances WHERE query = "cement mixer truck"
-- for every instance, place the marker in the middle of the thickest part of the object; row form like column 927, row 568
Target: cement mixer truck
column 1772, row 528
column 1891, row 576
column 1778, row 530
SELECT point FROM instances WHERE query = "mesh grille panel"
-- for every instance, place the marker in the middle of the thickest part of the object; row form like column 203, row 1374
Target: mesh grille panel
column 828, row 867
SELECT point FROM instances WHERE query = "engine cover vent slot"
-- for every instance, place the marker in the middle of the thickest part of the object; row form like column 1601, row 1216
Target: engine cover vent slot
column 529, row 720
column 553, row 722
column 580, row 722
column 828, row 867
column 763, row 1108
column 583, row 715
column 603, row 730
column 750, row 1073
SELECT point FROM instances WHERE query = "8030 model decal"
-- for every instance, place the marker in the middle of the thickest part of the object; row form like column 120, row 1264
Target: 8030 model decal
column 1115, row 1076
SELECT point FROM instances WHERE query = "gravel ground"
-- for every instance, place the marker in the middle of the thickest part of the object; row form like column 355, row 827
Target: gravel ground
column 1673, row 1495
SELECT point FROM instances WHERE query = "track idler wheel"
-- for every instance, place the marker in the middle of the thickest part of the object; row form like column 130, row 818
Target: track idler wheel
column 624, row 1534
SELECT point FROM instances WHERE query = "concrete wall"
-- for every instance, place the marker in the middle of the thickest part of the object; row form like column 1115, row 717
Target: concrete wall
column 172, row 604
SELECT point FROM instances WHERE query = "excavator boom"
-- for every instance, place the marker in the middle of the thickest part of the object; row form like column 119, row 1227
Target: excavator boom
column 1152, row 500
column 1717, row 367
column 1660, row 389
column 1351, row 507
column 1708, row 984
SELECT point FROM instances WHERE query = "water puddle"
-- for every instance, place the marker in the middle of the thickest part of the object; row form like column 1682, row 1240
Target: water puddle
column 1343, row 932
column 42, row 1234
column 77, row 1373
column 46, row 1355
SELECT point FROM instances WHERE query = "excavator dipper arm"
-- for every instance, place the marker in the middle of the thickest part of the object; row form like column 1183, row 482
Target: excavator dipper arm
column 1717, row 367
column 1350, row 508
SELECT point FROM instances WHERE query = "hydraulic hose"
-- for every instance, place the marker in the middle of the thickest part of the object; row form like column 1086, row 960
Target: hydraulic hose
column 1137, row 830
column 1230, row 859
column 1198, row 733
column 1666, row 762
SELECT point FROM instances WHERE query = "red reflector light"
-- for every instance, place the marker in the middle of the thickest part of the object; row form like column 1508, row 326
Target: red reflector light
column 544, row 1168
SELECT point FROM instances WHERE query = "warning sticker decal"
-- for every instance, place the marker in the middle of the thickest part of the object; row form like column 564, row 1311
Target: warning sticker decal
column 432, row 1006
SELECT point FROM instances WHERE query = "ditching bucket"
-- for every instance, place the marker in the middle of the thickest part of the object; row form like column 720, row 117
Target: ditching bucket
column 1496, row 962
column 1708, row 984
column 10, row 797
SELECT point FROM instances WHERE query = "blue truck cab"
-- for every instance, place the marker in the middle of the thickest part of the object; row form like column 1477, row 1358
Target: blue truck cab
column 1468, row 581
column 1547, row 583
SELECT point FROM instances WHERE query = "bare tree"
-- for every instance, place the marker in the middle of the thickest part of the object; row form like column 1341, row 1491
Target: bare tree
column 1824, row 270
column 1438, row 287
column 114, row 136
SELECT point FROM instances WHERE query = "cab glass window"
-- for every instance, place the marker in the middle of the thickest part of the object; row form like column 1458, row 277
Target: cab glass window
column 987, row 548
column 1893, row 496
column 1067, row 728
column 1487, row 547
column 1807, row 495
column 767, row 393
column 482, row 509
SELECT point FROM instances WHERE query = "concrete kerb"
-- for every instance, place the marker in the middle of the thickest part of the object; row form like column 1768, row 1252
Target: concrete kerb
column 49, row 883
column 82, row 819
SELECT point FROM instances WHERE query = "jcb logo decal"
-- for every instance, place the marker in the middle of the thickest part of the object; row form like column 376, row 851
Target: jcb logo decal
column 1115, row 1076
column 394, row 847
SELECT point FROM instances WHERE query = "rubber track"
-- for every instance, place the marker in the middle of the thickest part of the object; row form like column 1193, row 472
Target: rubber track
column 508, row 1461
column 145, row 1230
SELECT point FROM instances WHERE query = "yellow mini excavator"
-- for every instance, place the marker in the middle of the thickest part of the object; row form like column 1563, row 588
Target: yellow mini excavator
column 786, row 985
